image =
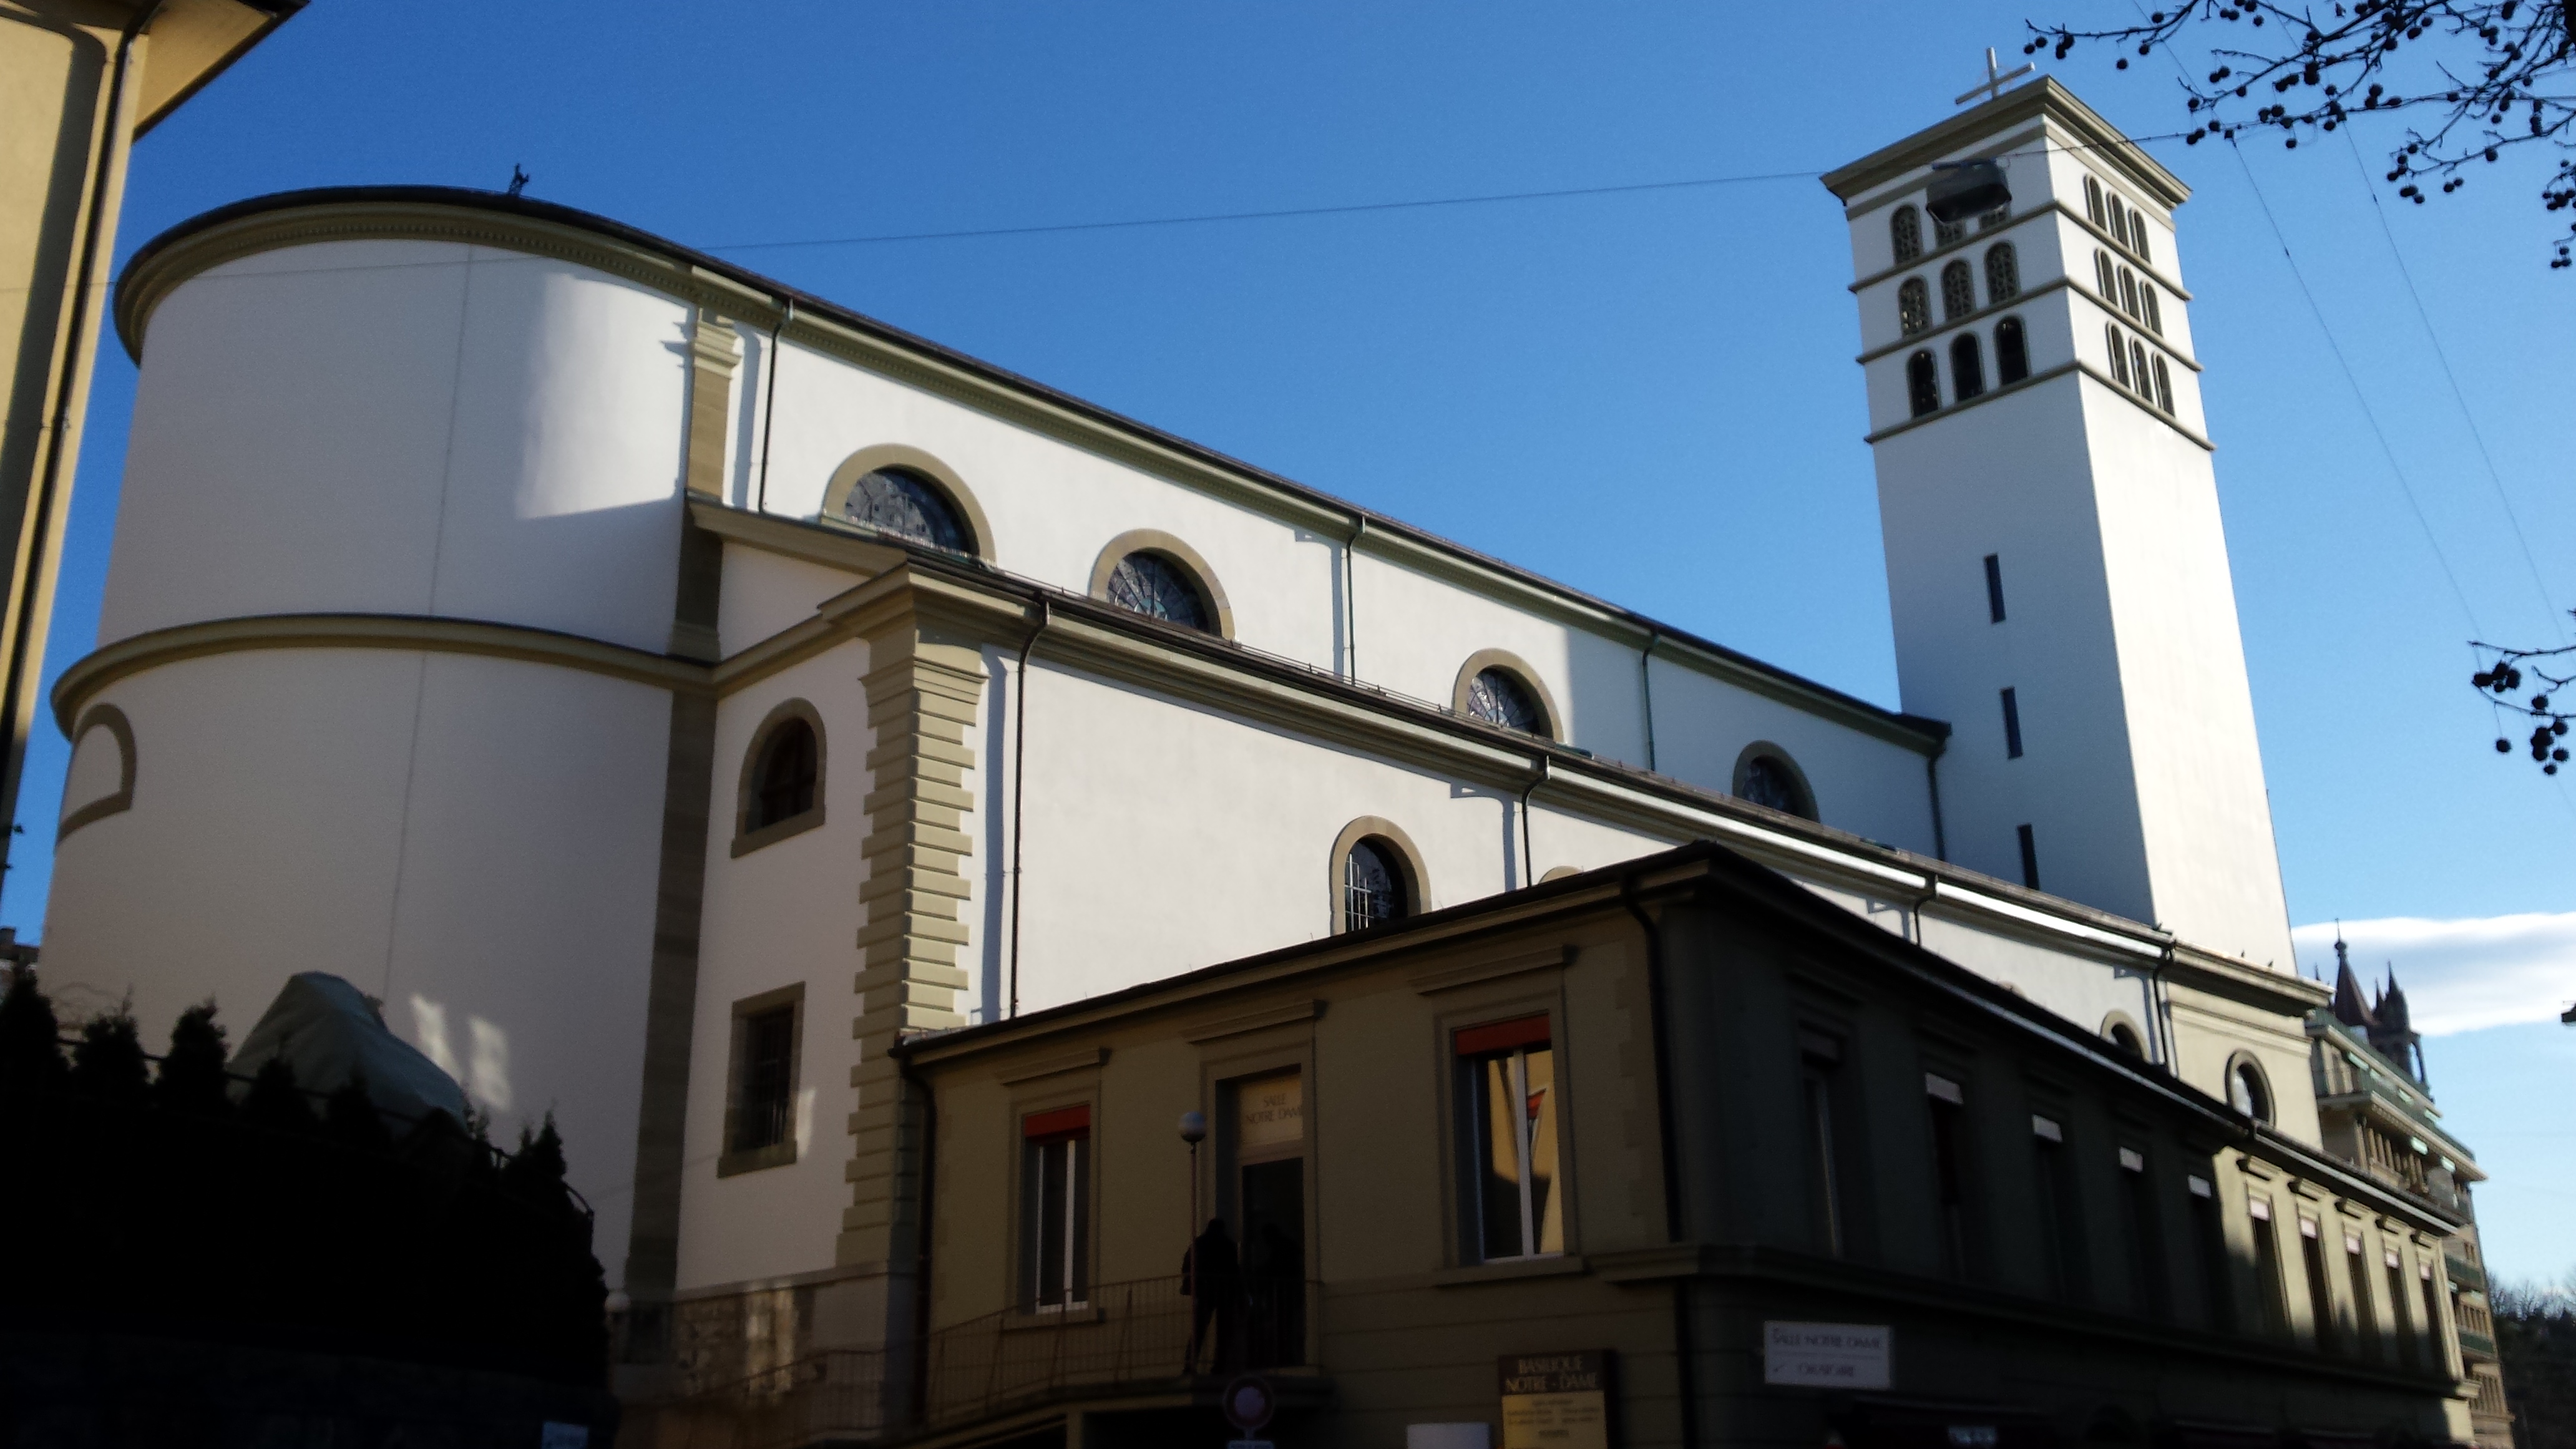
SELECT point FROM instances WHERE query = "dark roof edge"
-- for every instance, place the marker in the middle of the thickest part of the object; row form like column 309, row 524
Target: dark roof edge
column 1933, row 732
column 1748, row 879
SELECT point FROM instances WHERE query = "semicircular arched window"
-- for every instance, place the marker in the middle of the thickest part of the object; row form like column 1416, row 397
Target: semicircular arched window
column 1923, row 383
column 1157, row 587
column 1497, row 696
column 1772, row 781
column 2248, row 1093
column 1958, row 292
column 1373, row 885
column 2003, row 273
column 2012, row 351
column 1967, row 367
column 1913, row 306
column 784, row 778
column 2125, row 1037
column 906, row 504
column 1905, row 233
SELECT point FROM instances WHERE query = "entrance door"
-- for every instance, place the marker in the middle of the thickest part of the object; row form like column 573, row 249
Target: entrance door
column 1274, row 1259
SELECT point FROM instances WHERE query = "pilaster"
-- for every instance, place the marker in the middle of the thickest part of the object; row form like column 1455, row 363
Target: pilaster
column 923, row 689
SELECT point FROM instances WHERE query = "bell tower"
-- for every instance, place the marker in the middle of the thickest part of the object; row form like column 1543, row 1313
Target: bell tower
column 2055, row 561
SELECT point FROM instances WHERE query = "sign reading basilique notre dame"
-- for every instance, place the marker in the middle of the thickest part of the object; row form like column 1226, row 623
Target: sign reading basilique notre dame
column 1557, row 1400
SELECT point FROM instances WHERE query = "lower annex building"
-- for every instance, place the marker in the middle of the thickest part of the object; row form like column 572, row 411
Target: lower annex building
column 672, row 694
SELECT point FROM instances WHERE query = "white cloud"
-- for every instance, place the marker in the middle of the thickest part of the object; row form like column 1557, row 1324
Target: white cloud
column 2459, row 975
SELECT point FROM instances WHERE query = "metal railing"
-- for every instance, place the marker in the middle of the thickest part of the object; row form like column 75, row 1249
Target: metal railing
column 1124, row 1335
column 1140, row 1335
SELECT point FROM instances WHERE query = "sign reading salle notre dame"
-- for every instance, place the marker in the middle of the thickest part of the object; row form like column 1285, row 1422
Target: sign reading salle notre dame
column 1557, row 1400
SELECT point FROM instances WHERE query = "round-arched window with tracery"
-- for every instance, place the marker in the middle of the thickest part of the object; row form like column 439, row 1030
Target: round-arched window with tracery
column 1156, row 587
column 1768, row 780
column 906, row 504
column 1497, row 696
column 1372, row 886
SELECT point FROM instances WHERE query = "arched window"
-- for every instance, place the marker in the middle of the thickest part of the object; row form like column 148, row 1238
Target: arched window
column 781, row 792
column 2138, row 367
column 1373, row 885
column 2105, row 278
column 1958, row 292
column 1913, row 305
column 1158, row 587
column 1990, row 219
column 2003, row 274
column 2164, row 388
column 1967, row 368
column 2129, row 292
column 1497, row 696
column 2119, row 353
column 1922, row 383
column 2247, row 1092
column 2150, row 313
column 2121, row 1034
column 2012, row 352
column 1765, row 775
column 908, row 505
column 1946, row 232
column 2093, row 200
column 2138, row 236
column 1905, row 233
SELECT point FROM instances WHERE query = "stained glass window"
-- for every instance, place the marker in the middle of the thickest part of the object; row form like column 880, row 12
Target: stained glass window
column 1496, row 696
column 907, row 505
column 1958, row 292
column 1372, row 889
column 1905, row 230
column 2003, row 273
column 1156, row 587
column 1768, row 781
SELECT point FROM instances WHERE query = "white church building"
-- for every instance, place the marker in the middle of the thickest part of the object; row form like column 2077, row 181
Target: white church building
column 662, row 688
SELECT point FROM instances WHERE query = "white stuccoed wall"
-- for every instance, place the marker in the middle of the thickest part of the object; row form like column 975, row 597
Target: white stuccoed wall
column 2142, row 776
column 399, row 428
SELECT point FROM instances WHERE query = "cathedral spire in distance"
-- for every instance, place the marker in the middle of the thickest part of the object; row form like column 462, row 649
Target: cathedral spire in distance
column 2349, row 1008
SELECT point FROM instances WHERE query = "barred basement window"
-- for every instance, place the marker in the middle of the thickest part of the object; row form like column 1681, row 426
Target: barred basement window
column 1913, row 306
column 1158, row 588
column 1923, row 383
column 2003, row 274
column 1958, row 292
column 1905, row 233
column 906, row 504
column 2012, row 352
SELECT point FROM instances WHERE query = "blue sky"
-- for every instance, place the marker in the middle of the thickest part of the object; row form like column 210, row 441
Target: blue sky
column 1649, row 395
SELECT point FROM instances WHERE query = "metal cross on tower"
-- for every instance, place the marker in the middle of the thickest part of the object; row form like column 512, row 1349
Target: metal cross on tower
column 1995, row 80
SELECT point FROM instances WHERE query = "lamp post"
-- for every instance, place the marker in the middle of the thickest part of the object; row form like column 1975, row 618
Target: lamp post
column 1193, row 1131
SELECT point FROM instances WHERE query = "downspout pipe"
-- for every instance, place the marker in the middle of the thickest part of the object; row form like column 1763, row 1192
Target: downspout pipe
column 769, row 404
column 1932, row 780
column 1351, row 593
column 1529, row 865
column 32, row 589
column 1646, row 685
column 928, row 1170
column 1658, row 1005
column 1020, row 782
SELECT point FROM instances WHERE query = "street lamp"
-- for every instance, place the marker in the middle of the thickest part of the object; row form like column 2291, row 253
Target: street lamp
column 1193, row 1132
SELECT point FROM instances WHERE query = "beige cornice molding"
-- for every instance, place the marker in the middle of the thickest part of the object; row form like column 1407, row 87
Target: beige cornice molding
column 103, row 667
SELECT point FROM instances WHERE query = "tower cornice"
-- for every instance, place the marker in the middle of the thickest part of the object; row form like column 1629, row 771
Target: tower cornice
column 2043, row 98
